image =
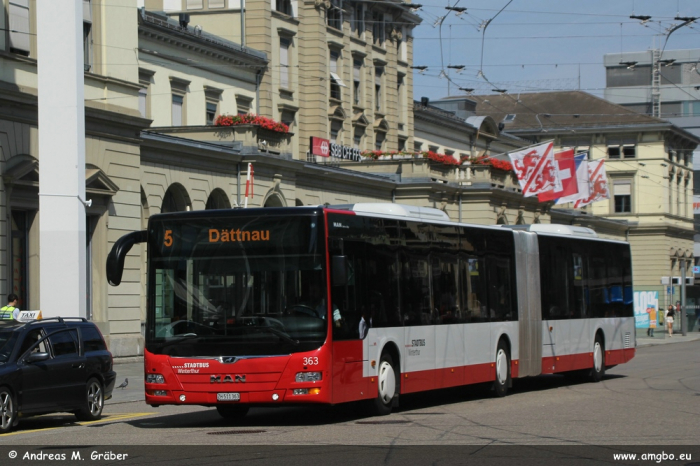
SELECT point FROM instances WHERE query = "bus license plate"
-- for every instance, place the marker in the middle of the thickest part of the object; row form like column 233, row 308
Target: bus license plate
column 228, row 396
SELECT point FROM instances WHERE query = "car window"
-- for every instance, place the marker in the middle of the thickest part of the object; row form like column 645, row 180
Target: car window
column 64, row 343
column 30, row 339
column 7, row 344
column 92, row 340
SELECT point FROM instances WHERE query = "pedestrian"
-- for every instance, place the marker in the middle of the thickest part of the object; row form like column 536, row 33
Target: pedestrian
column 10, row 311
column 651, row 310
column 670, row 313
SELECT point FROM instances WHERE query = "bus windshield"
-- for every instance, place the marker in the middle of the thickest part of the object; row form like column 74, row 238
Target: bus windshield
column 234, row 286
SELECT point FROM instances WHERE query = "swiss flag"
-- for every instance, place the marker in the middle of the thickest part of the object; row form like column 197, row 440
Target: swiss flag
column 566, row 166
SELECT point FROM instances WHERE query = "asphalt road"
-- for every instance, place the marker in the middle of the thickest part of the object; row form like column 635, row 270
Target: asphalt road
column 653, row 400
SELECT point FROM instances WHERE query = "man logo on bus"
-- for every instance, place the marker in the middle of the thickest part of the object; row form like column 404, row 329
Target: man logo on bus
column 225, row 236
column 227, row 379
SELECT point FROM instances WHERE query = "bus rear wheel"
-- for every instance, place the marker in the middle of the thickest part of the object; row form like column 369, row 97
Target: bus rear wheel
column 598, row 370
column 502, row 382
column 232, row 411
column 387, row 386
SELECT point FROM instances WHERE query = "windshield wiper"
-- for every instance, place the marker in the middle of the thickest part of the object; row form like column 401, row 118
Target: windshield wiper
column 182, row 337
column 280, row 334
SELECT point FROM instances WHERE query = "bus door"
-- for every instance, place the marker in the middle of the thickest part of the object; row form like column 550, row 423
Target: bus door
column 420, row 318
column 557, row 273
column 348, row 346
column 527, row 263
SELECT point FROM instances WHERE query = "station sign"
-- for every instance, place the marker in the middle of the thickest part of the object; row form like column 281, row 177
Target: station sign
column 324, row 148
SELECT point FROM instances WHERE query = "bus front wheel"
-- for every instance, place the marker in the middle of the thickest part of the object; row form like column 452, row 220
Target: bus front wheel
column 387, row 386
column 500, row 385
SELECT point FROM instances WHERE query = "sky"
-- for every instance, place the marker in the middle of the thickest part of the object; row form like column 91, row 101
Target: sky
column 538, row 45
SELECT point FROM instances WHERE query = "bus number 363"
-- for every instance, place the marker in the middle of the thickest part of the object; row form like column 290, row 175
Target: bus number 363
column 310, row 361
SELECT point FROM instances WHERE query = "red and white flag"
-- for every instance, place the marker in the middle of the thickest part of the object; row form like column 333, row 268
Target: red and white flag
column 566, row 168
column 581, row 180
column 248, row 185
column 598, row 184
column 536, row 170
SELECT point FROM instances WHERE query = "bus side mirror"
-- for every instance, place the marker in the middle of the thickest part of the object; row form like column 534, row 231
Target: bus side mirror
column 115, row 259
column 339, row 270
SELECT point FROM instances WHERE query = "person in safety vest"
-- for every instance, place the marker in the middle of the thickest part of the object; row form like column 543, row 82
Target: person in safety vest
column 10, row 311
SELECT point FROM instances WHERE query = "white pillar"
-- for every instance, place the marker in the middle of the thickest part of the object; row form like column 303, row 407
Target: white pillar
column 61, row 158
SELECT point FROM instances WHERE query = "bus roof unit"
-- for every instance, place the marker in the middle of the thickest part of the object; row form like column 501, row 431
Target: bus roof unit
column 399, row 210
column 555, row 229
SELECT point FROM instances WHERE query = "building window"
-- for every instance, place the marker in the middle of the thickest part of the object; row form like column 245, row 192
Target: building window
column 357, row 82
column 145, row 77
column 143, row 101
column 179, row 93
column 243, row 104
column 378, row 96
column 577, row 144
column 622, row 192
column 287, row 117
column 284, row 62
column 622, row 148
column 378, row 30
column 336, row 82
column 87, row 35
column 379, row 138
column 178, row 103
column 336, row 129
column 211, row 111
column 400, row 99
column 357, row 137
column 417, row 146
column 212, row 97
column 358, row 20
column 195, row 4
column 284, row 6
column 18, row 12
column 402, row 144
column 334, row 14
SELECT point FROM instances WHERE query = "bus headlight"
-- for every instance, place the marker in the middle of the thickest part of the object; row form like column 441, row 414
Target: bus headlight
column 155, row 378
column 308, row 376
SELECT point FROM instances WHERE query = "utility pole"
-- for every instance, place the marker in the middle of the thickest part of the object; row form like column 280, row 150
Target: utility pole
column 62, row 233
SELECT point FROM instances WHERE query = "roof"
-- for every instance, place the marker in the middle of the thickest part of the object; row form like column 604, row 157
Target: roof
column 216, row 45
column 559, row 112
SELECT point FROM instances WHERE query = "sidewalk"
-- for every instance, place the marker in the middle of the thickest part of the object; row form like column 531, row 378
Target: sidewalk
column 131, row 369
column 663, row 339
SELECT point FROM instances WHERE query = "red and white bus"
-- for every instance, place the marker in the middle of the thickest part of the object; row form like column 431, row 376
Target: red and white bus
column 262, row 307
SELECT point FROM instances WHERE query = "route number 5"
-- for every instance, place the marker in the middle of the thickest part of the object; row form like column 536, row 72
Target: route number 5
column 168, row 241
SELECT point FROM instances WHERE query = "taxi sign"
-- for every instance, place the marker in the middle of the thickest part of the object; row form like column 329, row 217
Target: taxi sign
column 26, row 316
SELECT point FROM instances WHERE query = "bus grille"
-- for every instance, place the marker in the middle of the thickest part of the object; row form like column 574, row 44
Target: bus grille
column 628, row 340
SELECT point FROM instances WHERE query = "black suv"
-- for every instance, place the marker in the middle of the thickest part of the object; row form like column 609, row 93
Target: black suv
column 53, row 365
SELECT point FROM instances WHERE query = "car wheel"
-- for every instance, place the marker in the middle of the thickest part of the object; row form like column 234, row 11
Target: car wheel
column 8, row 410
column 232, row 411
column 94, row 402
column 500, row 385
column 387, row 386
column 598, row 371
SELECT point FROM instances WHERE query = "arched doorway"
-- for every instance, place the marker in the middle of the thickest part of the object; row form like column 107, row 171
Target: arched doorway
column 176, row 199
column 274, row 200
column 218, row 200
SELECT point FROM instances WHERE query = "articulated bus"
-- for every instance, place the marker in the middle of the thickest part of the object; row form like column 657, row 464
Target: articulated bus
column 303, row 305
